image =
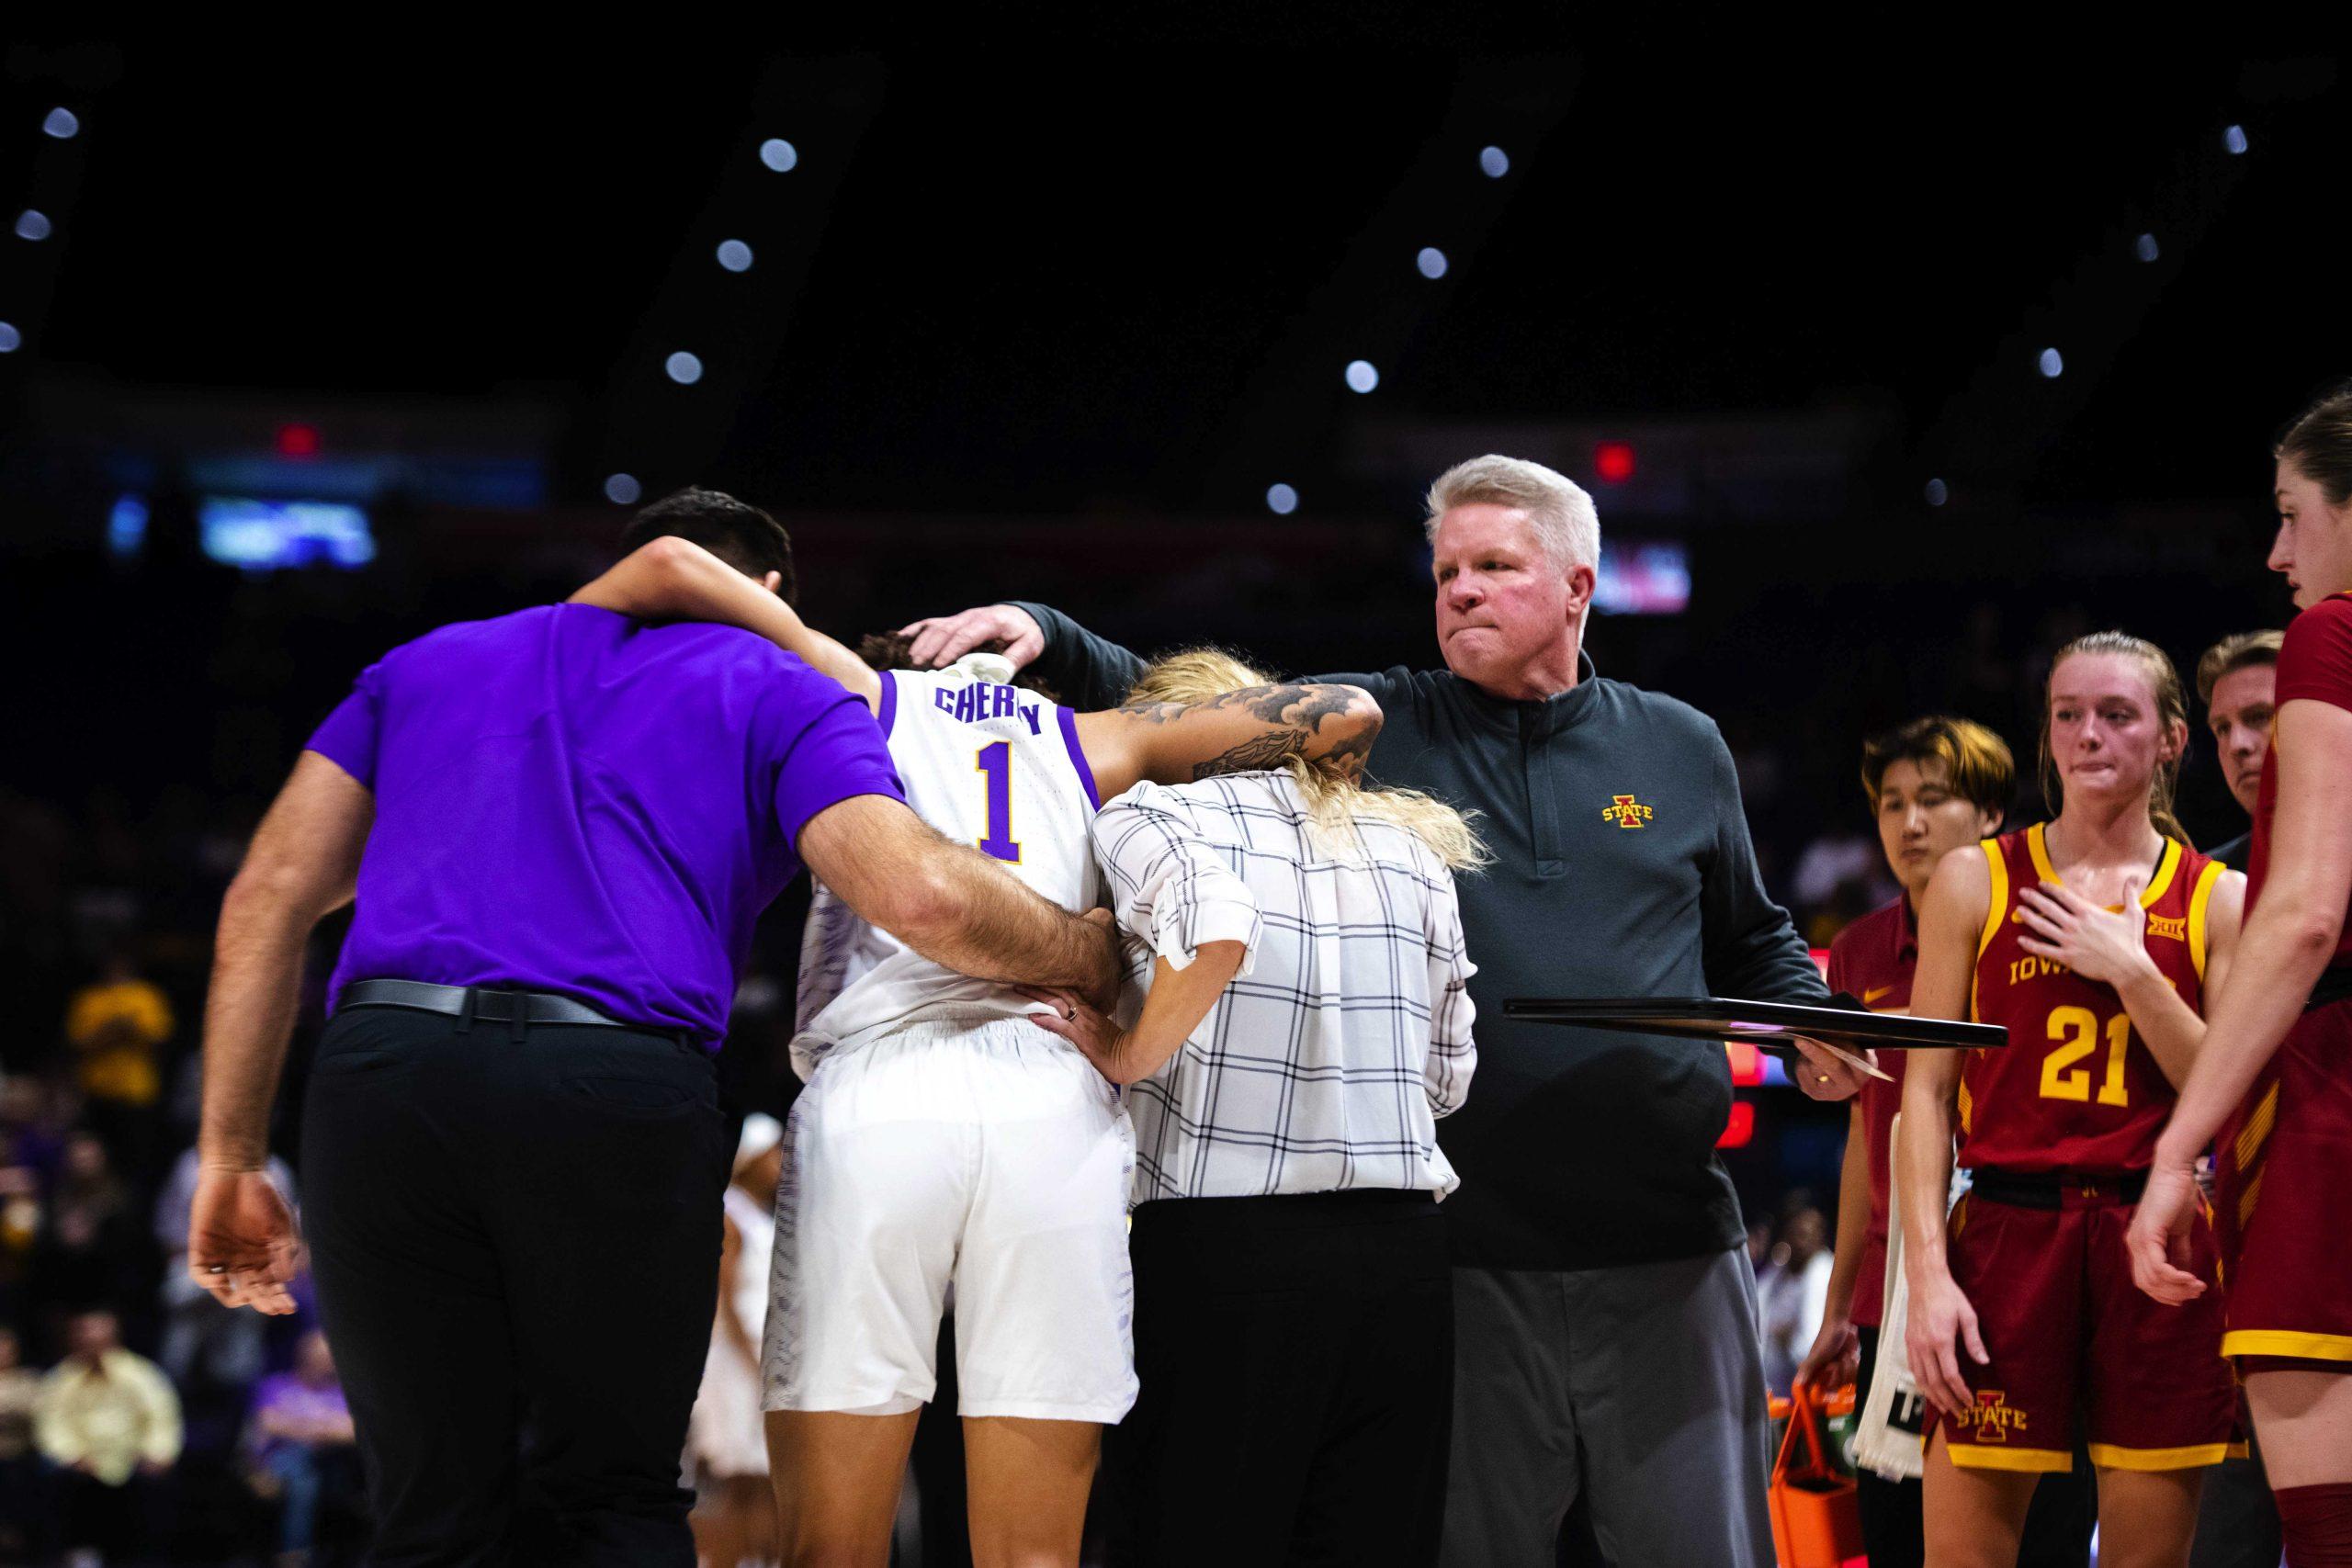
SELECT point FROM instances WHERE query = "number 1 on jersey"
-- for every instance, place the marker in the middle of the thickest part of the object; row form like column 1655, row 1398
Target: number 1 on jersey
column 996, row 761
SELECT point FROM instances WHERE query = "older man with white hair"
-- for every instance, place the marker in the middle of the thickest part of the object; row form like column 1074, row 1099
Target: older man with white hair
column 1605, row 1316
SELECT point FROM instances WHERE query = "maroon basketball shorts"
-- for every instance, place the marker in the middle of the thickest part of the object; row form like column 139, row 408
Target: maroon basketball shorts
column 2283, row 1198
column 2072, row 1339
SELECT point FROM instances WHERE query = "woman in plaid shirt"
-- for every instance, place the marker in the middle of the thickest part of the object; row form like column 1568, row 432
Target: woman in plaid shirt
column 1293, row 1312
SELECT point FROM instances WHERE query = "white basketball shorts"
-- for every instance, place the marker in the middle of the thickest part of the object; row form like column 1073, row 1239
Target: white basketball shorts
column 985, row 1155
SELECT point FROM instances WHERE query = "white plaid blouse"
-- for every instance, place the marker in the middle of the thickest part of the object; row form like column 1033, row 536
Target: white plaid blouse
column 1347, row 1032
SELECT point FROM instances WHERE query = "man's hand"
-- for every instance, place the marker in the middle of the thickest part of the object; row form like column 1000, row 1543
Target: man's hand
column 940, row 640
column 1835, row 1356
column 2158, row 1239
column 1940, row 1316
column 2096, row 943
column 242, row 1244
column 1826, row 1073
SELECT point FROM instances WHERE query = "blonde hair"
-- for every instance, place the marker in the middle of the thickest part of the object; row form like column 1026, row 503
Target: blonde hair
column 1335, row 805
column 1566, row 524
column 2172, row 707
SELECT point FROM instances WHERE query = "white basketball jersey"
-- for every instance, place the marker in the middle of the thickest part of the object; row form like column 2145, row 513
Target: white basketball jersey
column 989, row 765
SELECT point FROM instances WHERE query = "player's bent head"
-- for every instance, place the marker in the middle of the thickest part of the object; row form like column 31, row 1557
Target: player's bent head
column 1194, row 675
column 1968, row 759
column 2245, row 652
column 736, row 532
column 895, row 650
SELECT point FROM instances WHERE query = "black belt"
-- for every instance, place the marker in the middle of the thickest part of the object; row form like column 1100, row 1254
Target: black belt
column 2056, row 1188
column 475, row 1001
column 2333, row 986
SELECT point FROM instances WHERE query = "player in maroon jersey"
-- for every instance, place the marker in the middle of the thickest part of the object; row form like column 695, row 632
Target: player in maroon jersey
column 2091, row 938
column 1934, row 785
column 2275, row 1082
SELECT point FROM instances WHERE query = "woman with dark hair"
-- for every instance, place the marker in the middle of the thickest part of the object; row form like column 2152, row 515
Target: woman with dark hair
column 2274, row 1081
column 2091, row 938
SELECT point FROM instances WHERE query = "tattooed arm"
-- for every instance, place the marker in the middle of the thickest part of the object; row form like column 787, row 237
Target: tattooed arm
column 1258, row 727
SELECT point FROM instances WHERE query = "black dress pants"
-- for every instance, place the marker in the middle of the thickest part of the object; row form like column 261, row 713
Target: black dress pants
column 516, row 1235
column 1296, row 1361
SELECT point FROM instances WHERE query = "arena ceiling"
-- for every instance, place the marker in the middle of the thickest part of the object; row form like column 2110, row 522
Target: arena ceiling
column 1047, row 279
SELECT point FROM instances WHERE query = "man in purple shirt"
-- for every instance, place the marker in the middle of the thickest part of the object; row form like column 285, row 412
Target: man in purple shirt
column 559, row 826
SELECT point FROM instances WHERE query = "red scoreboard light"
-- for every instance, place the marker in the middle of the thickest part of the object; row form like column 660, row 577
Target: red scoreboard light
column 1614, row 461
column 298, row 440
column 1747, row 1062
column 1740, row 1128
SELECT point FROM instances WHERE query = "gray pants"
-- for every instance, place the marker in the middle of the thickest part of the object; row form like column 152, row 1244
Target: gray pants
column 1641, row 1386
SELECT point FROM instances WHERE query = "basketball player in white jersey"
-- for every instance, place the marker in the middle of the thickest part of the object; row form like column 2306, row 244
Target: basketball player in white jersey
column 943, row 1140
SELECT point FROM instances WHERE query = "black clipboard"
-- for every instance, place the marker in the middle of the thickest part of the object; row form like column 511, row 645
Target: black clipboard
column 1761, row 1023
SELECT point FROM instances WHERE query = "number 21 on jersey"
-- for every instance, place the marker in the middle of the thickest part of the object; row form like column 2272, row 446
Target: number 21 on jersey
column 995, row 760
column 2077, row 1031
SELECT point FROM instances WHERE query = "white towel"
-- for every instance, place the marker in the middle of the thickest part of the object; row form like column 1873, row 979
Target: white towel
column 1887, row 1440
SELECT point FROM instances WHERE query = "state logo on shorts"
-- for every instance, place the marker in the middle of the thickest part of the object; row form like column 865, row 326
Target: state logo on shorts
column 1992, row 1418
column 1627, row 812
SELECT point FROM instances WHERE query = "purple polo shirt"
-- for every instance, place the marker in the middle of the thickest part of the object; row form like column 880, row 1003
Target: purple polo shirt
column 568, row 800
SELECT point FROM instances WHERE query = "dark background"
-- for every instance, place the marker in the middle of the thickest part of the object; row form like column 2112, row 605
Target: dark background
column 1043, row 308
column 1046, row 319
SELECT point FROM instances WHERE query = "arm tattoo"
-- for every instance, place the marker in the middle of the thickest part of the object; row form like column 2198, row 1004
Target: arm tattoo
column 1314, row 703
column 1153, row 713
column 1253, row 755
column 1273, row 704
column 1348, row 757
column 1293, row 712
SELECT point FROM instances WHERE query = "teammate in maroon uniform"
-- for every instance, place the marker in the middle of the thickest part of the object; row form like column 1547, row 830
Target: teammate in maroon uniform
column 2091, row 938
column 1934, row 785
column 2275, row 1083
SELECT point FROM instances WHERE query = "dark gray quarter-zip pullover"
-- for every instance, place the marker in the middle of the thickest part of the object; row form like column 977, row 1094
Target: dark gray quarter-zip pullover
column 1623, row 868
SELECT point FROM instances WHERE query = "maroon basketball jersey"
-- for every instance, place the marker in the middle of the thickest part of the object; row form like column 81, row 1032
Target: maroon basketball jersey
column 2075, row 1088
column 2314, row 663
column 1874, row 959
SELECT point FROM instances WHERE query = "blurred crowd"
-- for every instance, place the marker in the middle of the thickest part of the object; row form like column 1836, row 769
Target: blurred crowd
column 138, row 1417
column 1789, row 1252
